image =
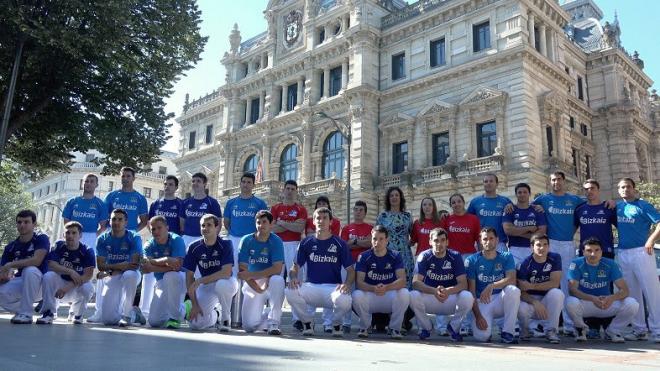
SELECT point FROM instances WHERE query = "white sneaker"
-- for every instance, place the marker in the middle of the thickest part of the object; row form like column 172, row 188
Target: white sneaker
column 308, row 329
column 363, row 333
column 656, row 338
column 222, row 326
column 95, row 318
column 614, row 337
column 337, row 331
column 636, row 336
column 46, row 319
column 21, row 319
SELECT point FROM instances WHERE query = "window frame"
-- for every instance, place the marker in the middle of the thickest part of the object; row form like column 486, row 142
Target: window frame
column 435, row 148
column 433, row 55
column 289, row 165
column 399, row 70
column 334, row 159
column 476, row 39
column 399, row 157
column 481, row 151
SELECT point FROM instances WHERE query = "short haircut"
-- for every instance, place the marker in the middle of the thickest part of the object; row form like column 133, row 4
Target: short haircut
column 388, row 206
column 120, row 211
column 175, row 179
column 632, row 182
column 201, row 176
column 380, row 229
column 74, row 224
column 497, row 180
column 538, row 237
column 592, row 241
column 488, row 230
column 322, row 199
column 216, row 220
column 90, row 175
column 127, row 169
column 323, row 210
column 456, row 195
column 264, row 214
column 362, row 204
column 27, row 214
column 291, row 182
column 438, row 232
column 522, row 185
column 250, row 176
column 559, row 174
column 592, row 181
column 158, row 218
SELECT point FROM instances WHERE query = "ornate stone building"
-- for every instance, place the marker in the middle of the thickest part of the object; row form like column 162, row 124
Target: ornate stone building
column 434, row 94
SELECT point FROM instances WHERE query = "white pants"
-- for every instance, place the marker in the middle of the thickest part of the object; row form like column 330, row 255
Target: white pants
column 118, row 294
column 327, row 312
column 623, row 311
column 318, row 295
column 394, row 301
column 553, row 301
column 456, row 306
column 290, row 251
column 253, row 303
column 89, row 239
column 235, row 241
column 505, row 304
column 519, row 253
column 79, row 295
column 99, row 298
column 147, row 292
column 566, row 249
column 209, row 296
column 639, row 272
column 167, row 301
column 19, row 294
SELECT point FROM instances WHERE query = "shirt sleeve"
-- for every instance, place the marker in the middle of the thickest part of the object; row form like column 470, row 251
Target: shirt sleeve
column 469, row 268
column 227, row 254
column 576, row 217
column 262, row 205
column 540, row 219
column 335, row 226
column 190, row 261
column 143, row 207
column 243, row 249
column 557, row 266
column 650, row 212
column 303, row 213
column 359, row 264
column 42, row 243
column 573, row 272
column 148, row 247
column 228, row 207
column 301, row 256
column 68, row 210
column 509, row 263
column 108, row 201
column 216, row 210
column 178, row 247
column 476, row 228
column 277, row 249
column 471, row 208
column 103, row 211
column 460, row 267
column 522, row 273
column 137, row 244
column 5, row 256
column 413, row 234
column 53, row 254
column 90, row 259
column 99, row 244
column 346, row 258
column 152, row 209
column 344, row 233
column 615, row 273
column 420, row 264
column 508, row 218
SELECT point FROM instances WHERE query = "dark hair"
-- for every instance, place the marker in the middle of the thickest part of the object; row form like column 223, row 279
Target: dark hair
column 120, row 211
column 380, row 229
column 291, row 182
column 264, row 214
column 322, row 199
column 497, row 180
column 522, row 185
column 592, row 181
column 538, row 237
column 454, row 195
column 127, row 169
column 434, row 217
column 627, row 180
column 216, row 220
column 201, row 176
column 93, row 176
column 438, row 231
column 592, row 241
column 388, row 206
column 361, row 203
column 74, row 224
column 158, row 218
column 27, row 214
column 323, row 210
column 559, row 173
column 488, row 230
column 249, row 175
column 175, row 179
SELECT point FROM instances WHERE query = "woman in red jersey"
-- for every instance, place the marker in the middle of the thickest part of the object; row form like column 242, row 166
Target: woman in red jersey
column 335, row 223
column 422, row 227
column 462, row 227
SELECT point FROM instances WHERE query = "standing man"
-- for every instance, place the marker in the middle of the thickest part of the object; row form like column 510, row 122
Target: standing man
column 118, row 254
column 357, row 235
column 213, row 256
column 489, row 208
column 594, row 219
column 290, row 218
column 523, row 222
column 128, row 199
column 27, row 255
column 195, row 206
column 88, row 210
column 323, row 255
column 635, row 217
column 240, row 212
column 71, row 267
column 261, row 260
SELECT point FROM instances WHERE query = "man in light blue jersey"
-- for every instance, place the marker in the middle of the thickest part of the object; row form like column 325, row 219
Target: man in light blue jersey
column 88, row 210
column 194, row 207
column 129, row 200
column 240, row 212
column 635, row 217
column 489, row 208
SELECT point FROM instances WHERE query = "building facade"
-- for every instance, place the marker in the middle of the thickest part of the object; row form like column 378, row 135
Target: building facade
column 432, row 94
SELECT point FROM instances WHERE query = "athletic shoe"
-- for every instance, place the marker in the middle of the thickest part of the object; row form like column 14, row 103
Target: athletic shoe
column 363, row 333
column 637, row 336
column 274, row 329
column 656, row 338
column 139, row 317
column 396, row 334
column 538, row 331
column 327, row 329
column 94, row 319
column 580, row 334
column 465, row 332
column 70, row 317
column 77, row 320
column 508, row 338
column 337, row 332
column 308, row 330
column 172, row 324
column 346, row 329
column 222, row 326
column 593, row 334
column 424, row 334
column 188, row 305
column 40, row 304
column 298, row 325
column 125, row 321
column 46, row 319
column 614, row 337
column 524, row 334
column 552, row 337
column 572, row 332
column 455, row 336
column 442, row 332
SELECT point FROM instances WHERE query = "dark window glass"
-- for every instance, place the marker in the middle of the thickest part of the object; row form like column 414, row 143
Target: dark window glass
column 440, row 148
column 580, row 89
column 548, row 135
column 481, row 36
column 333, row 156
column 289, row 163
column 291, row 97
column 575, row 161
column 209, row 134
column 192, row 139
column 250, row 165
column 486, row 139
column 335, row 81
column 398, row 66
column 399, row 157
column 254, row 111
column 437, row 52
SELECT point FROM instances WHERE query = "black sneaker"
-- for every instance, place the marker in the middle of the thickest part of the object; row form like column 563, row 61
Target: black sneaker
column 298, row 325
column 309, row 330
column 346, row 329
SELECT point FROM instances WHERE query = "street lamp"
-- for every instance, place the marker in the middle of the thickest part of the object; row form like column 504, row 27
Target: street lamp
column 345, row 131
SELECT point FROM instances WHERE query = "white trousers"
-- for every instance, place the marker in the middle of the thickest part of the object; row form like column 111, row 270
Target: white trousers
column 19, row 294
column 235, row 241
column 318, row 295
column 209, row 296
column 394, row 301
column 553, row 301
column 89, row 239
column 79, row 296
column 147, row 292
column 519, row 253
column 639, row 272
column 623, row 311
column 118, row 294
column 504, row 304
column 327, row 312
column 566, row 249
column 456, row 306
column 252, row 312
column 290, row 251
column 167, row 300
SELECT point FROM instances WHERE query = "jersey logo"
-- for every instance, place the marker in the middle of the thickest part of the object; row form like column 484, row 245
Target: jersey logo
column 92, row 206
column 215, row 253
column 293, row 213
column 314, row 247
column 264, row 251
column 203, row 206
column 572, row 266
column 373, row 265
column 332, row 248
column 600, row 212
column 173, row 207
column 388, row 266
column 601, row 274
column 134, row 200
column 203, row 256
column 547, row 268
column 432, row 266
column 446, row 265
column 498, row 266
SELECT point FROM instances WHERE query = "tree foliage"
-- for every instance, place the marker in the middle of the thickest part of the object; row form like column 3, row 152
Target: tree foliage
column 93, row 75
column 12, row 200
column 650, row 192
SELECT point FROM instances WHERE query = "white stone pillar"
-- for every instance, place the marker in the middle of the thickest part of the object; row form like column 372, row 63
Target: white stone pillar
column 532, row 34
column 307, row 152
column 262, row 105
column 344, row 74
column 284, row 97
column 248, row 111
column 300, row 94
column 542, row 44
column 326, row 82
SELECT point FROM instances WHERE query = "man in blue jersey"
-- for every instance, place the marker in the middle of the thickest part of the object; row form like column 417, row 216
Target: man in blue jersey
column 22, row 266
column 129, row 200
column 594, row 219
column 323, row 255
column 590, row 278
column 381, row 284
column 440, row 286
column 491, row 279
column 70, row 269
column 635, row 217
column 194, row 207
column 88, row 210
column 489, row 208
column 214, row 258
column 538, row 278
column 118, row 254
column 261, row 259
column 240, row 212
column 521, row 223
column 163, row 257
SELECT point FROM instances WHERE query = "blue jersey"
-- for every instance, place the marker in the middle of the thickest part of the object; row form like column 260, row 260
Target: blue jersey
column 533, row 272
column 523, row 218
column 259, row 255
column 486, row 271
column 88, row 212
column 170, row 210
column 379, row 269
column 132, row 202
column 209, row 259
column 78, row 259
column 559, row 212
column 490, row 210
column 440, row 271
column 596, row 221
column 118, row 249
column 634, row 220
column 17, row 250
column 192, row 211
column 594, row 280
column 324, row 259
column 240, row 212
column 175, row 248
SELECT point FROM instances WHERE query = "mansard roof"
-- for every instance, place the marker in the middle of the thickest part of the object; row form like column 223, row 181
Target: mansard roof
column 588, row 34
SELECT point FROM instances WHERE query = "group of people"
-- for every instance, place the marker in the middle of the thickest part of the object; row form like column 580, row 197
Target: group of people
column 496, row 262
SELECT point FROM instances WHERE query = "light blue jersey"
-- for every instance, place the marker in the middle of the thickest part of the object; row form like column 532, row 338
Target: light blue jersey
column 594, row 279
column 88, row 212
column 174, row 248
column 486, row 271
column 490, row 210
column 118, row 250
column 132, row 202
column 559, row 212
column 259, row 255
column 634, row 220
column 240, row 212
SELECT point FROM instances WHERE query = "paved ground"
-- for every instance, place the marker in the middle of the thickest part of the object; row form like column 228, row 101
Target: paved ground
column 63, row 346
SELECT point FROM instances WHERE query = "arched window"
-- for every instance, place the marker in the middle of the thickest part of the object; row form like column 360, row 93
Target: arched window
column 333, row 156
column 289, row 163
column 250, row 165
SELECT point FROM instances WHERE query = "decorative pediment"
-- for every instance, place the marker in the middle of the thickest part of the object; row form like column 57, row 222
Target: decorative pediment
column 397, row 119
column 435, row 108
column 482, row 93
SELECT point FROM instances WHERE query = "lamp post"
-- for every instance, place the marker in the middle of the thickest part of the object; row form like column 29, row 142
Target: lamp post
column 10, row 95
column 345, row 131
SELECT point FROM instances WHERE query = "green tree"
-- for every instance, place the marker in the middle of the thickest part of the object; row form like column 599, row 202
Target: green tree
column 650, row 192
column 93, row 74
column 12, row 200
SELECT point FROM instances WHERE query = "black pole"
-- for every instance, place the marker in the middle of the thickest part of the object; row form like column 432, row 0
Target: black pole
column 10, row 95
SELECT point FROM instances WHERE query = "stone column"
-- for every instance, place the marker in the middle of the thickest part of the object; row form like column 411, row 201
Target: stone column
column 542, row 44
column 265, row 160
column 307, row 151
column 284, row 97
column 344, row 74
column 264, row 60
column 326, row 82
column 248, row 111
column 262, row 105
column 300, row 93
column 530, row 27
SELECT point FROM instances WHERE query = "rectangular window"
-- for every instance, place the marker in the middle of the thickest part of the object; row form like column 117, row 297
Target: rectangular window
column 335, row 81
column 40, row 191
column 111, row 186
column 80, row 186
column 47, row 190
column 587, row 164
column 162, row 170
column 208, row 138
column 548, row 136
column 583, row 130
column 322, row 35
column 481, row 36
column 571, row 122
column 399, row 157
column 90, row 157
column 440, row 144
column 399, row 66
column 291, row 97
column 254, row 111
column 575, row 161
column 486, row 139
column 147, row 192
column 192, row 139
column 537, row 39
column 580, row 89
column 55, row 185
column 322, row 83
column 437, row 49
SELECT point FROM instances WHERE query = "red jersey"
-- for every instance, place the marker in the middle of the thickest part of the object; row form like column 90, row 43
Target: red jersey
column 463, row 232
column 420, row 234
column 335, row 226
column 289, row 213
column 360, row 231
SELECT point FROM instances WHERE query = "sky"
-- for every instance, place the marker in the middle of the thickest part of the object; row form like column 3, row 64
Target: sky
column 638, row 20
